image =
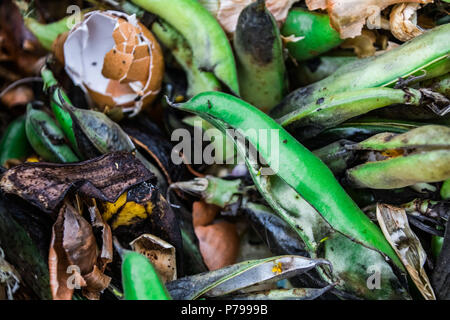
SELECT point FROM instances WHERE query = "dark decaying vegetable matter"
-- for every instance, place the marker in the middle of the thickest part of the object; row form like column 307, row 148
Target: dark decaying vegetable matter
column 224, row 150
column 104, row 178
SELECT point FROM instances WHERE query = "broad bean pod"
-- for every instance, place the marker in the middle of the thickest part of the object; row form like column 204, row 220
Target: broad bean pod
column 208, row 41
column 259, row 52
column 307, row 196
column 46, row 137
column 419, row 155
column 426, row 56
column 311, row 119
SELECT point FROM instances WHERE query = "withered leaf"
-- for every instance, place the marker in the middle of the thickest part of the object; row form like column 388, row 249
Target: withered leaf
column 73, row 257
column 106, row 252
column 46, row 184
column 394, row 224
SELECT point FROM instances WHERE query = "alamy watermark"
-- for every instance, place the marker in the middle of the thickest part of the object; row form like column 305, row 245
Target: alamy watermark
column 226, row 148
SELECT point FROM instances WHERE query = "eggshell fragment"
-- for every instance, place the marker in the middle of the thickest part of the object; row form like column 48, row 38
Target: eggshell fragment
column 116, row 61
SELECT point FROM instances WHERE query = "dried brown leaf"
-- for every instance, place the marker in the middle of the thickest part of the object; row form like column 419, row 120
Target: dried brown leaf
column 394, row 224
column 96, row 282
column 106, row 252
column 46, row 184
column 73, row 254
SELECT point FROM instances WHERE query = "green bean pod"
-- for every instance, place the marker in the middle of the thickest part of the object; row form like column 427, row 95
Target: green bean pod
column 304, row 192
column 259, row 53
column 419, row 155
column 14, row 143
column 426, row 55
column 46, row 137
column 57, row 98
column 311, row 119
column 319, row 36
column 209, row 43
column 198, row 80
column 140, row 280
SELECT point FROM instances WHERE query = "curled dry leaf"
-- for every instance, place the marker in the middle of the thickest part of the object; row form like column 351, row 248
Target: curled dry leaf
column 219, row 244
column 115, row 59
column 349, row 16
column 227, row 11
column 403, row 21
column 362, row 44
column 160, row 253
column 46, row 184
column 106, row 252
column 394, row 224
column 73, row 257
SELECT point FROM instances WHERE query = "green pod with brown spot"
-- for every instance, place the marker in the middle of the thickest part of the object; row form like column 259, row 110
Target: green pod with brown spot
column 311, row 119
column 419, row 155
column 259, row 52
column 46, row 138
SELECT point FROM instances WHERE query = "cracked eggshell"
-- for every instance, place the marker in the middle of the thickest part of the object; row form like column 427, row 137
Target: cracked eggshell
column 116, row 60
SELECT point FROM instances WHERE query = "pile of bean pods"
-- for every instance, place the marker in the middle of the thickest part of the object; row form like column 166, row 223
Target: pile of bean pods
column 243, row 150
